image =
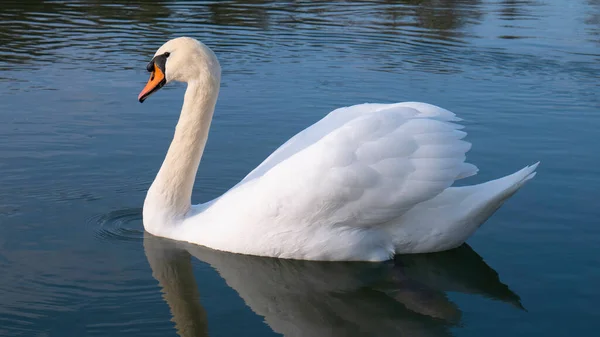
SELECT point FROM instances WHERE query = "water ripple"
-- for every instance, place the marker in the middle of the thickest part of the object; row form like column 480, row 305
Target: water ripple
column 120, row 225
column 42, row 284
column 433, row 37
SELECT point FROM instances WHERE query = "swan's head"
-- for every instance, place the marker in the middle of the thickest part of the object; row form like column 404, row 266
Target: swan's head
column 182, row 59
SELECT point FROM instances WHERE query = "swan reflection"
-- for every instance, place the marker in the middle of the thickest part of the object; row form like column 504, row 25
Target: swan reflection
column 303, row 298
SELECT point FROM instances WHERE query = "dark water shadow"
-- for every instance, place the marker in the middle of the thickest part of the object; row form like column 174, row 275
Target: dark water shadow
column 301, row 298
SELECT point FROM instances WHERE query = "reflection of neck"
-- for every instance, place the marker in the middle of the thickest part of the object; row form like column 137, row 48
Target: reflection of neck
column 172, row 268
column 169, row 197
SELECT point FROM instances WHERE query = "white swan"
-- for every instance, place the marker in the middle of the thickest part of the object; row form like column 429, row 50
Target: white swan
column 364, row 183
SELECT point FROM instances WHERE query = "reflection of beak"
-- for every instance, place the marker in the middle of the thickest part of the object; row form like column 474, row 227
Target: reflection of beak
column 156, row 81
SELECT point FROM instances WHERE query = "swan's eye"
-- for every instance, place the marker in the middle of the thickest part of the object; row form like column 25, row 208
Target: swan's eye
column 167, row 54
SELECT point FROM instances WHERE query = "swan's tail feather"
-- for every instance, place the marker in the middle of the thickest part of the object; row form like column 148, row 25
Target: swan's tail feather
column 486, row 198
column 449, row 219
column 502, row 188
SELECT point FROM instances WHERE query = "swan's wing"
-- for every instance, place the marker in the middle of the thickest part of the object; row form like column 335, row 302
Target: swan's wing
column 311, row 135
column 361, row 166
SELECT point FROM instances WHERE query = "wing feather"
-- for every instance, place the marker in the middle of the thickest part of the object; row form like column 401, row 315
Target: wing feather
column 363, row 165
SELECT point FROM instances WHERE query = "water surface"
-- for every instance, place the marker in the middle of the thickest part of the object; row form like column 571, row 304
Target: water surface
column 78, row 153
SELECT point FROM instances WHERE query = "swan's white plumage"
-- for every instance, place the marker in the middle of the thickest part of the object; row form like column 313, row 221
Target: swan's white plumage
column 364, row 183
column 362, row 165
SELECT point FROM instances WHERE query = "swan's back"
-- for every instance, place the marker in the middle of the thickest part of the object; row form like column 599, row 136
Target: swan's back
column 342, row 116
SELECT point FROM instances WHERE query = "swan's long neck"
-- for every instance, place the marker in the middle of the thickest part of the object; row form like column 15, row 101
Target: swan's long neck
column 169, row 198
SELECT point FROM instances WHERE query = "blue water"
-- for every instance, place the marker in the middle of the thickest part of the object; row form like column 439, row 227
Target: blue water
column 78, row 153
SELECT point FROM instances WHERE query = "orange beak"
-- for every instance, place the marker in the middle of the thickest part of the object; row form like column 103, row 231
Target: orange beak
column 156, row 81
